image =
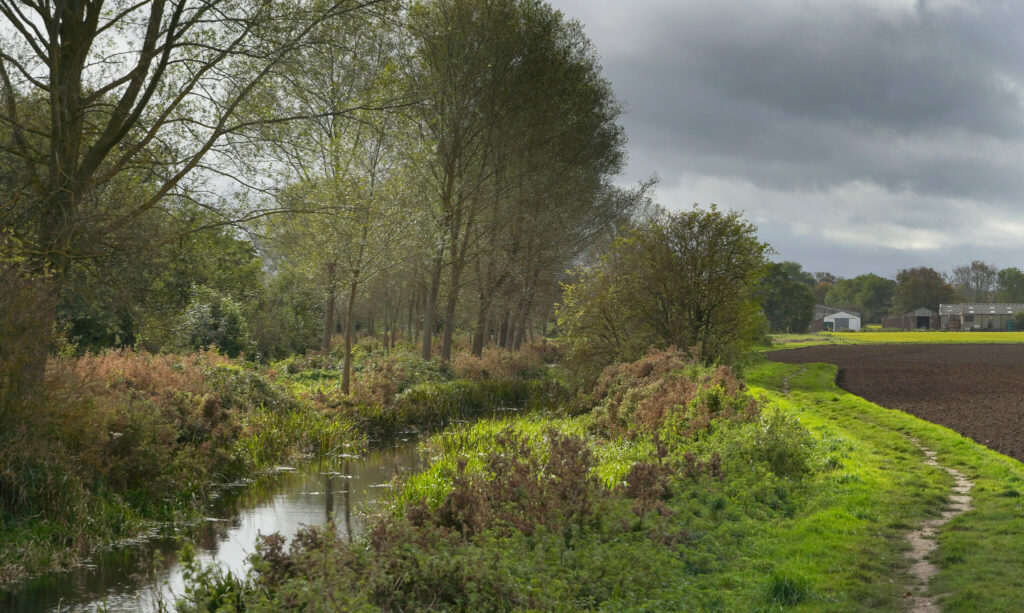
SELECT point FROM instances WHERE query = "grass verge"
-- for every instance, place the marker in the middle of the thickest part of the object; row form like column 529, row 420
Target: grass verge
column 980, row 552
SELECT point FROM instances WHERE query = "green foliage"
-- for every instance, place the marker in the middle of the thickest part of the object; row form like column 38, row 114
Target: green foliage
column 869, row 295
column 1011, row 285
column 685, row 279
column 778, row 441
column 920, row 287
column 539, row 513
column 124, row 436
column 213, row 320
column 787, row 298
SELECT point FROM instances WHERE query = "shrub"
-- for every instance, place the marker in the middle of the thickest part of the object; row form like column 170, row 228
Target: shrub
column 214, row 320
column 666, row 392
column 777, row 441
column 497, row 363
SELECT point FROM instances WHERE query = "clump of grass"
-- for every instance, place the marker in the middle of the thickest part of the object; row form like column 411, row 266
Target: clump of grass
column 787, row 588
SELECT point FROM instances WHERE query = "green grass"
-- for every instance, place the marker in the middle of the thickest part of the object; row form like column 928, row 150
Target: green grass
column 832, row 543
column 795, row 341
column 880, row 490
column 761, row 535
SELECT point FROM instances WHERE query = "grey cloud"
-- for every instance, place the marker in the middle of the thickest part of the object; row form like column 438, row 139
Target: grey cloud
column 892, row 115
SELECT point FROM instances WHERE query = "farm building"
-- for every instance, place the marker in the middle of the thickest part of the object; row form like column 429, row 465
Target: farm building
column 921, row 319
column 985, row 316
column 832, row 318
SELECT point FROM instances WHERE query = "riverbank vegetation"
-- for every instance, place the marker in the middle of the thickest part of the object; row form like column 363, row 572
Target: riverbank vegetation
column 682, row 489
column 123, row 439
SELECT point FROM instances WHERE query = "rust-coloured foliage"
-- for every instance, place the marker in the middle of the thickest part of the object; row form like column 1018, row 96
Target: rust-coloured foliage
column 653, row 393
column 521, row 489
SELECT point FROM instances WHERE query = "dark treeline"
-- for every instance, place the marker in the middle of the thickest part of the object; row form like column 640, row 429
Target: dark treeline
column 791, row 292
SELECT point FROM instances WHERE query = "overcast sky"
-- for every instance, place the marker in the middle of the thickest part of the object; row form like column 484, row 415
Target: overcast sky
column 860, row 136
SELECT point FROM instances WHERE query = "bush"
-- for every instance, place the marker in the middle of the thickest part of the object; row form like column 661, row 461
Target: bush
column 497, row 363
column 669, row 394
column 214, row 320
column 777, row 441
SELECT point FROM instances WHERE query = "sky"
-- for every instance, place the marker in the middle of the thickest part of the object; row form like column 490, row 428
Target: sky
column 859, row 136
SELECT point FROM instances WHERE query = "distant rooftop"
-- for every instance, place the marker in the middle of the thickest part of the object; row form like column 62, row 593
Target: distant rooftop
column 980, row 308
column 821, row 311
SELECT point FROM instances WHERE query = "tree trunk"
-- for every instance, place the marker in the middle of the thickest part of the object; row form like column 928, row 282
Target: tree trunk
column 503, row 329
column 481, row 327
column 28, row 310
column 332, row 296
column 449, row 311
column 349, row 324
column 431, row 305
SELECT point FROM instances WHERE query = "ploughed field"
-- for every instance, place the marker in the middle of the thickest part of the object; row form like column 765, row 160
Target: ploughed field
column 977, row 390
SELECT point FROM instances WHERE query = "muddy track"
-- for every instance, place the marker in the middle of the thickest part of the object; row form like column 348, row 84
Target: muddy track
column 977, row 390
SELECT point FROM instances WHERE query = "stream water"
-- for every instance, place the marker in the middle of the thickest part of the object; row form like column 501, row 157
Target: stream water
column 140, row 576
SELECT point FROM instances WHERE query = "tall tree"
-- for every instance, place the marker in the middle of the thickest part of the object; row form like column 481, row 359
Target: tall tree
column 787, row 298
column 135, row 94
column 1011, row 285
column 823, row 281
column 869, row 295
column 344, row 166
column 974, row 282
column 688, row 279
column 920, row 287
column 515, row 101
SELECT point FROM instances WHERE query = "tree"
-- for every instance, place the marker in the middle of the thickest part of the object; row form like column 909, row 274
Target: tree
column 920, row 287
column 974, row 282
column 787, row 298
column 136, row 96
column 520, row 124
column 823, row 281
column 344, row 167
column 1011, row 285
column 688, row 279
column 869, row 295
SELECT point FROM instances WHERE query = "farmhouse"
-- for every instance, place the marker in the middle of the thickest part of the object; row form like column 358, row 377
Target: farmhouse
column 983, row 316
column 921, row 319
column 833, row 318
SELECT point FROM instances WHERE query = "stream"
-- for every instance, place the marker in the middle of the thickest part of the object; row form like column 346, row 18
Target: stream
column 141, row 576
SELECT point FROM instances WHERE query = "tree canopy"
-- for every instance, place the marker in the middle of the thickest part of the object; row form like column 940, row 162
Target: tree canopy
column 688, row 279
column 920, row 287
column 787, row 297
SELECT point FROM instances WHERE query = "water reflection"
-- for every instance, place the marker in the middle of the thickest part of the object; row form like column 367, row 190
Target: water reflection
column 138, row 578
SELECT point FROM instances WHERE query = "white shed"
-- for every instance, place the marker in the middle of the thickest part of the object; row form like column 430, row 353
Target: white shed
column 842, row 321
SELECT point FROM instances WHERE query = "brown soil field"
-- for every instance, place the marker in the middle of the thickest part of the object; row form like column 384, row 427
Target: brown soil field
column 977, row 390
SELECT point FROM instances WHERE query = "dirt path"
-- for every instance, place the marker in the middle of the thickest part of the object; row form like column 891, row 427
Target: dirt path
column 922, row 541
column 785, row 382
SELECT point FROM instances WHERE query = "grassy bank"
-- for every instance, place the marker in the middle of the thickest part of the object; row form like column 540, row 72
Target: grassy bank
column 395, row 390
column 125, row 439
column 931, row 337
column 679, row 491
column 979, row 553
